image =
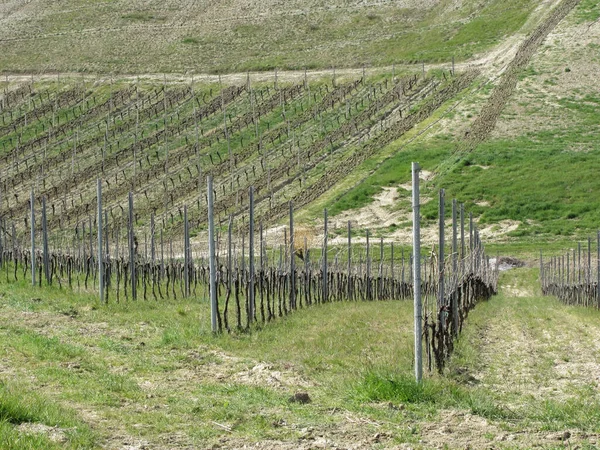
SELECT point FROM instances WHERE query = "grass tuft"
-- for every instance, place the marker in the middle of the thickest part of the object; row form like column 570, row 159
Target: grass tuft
column 381, row 385
column 19, row 405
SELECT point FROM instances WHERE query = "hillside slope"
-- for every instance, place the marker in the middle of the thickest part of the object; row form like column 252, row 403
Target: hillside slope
column 533, row 174
column 208, row 36
column 325, row 140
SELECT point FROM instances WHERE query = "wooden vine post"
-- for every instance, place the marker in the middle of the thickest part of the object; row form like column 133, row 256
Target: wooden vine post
column 211, row 257
column 100, row 246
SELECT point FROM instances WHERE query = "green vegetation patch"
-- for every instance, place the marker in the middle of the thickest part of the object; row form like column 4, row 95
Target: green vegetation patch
column 338, row 34
column 19, row 405
column 402, row 388
column 588, row 11
column 142, row 17
column 459, row 39
column 394, row 171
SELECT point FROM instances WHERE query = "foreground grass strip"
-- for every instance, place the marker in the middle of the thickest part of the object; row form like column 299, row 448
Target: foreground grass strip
column 29, row 420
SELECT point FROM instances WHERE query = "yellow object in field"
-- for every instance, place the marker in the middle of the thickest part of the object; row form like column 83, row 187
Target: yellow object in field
column 301, row 235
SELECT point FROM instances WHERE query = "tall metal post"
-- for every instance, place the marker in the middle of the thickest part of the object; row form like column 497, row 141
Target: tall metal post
column 441, row 244
column 349, row 257
column 462, row 238
column 542, row 279
column 45, row 241
column 251, row 257
column 292, row 259
column 380, row 276
column 152, row 241
column 100, row 246
column 418, row 315
column 392, row 277
column 589, row 262
column 2, row 234
column 32, row 238
column 211, row 257
column 229, row 253
column 368, row 258
column 325, row 276
column 579, row 262
column 455, row 277
column 186, row 252
column 132, row 249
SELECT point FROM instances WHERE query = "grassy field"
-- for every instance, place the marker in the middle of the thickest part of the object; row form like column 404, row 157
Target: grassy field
column 151, row 374
column 141, row 37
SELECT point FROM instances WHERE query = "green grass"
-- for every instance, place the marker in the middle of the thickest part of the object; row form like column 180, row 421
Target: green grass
column 588, row 11
column 162, row 343
column 172, row 38
column 535, row 335
column 394, row 171
column 153, row 369
column 401, row 388
column 558, row 204
column 20, row 405
column 491, row 24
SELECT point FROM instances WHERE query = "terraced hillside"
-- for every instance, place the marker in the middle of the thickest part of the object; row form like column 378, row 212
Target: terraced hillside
column 288, row 141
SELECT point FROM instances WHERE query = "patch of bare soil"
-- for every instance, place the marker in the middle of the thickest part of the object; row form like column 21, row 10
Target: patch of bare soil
column 263, row 374
column 377, row 214
column 346, row 431
column 497, row 230
column 55, row 434
column 204, row 364
column 516, row 291
column 457, row 429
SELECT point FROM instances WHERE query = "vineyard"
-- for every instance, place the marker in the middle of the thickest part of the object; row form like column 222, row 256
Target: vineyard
column 266, row 150
column 246, row 289
column 186, row 194
column 232, row 259
column 574, row 276
column 290, row 142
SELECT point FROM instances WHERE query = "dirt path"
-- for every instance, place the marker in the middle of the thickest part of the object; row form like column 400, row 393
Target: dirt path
column 537, row 358
column 485, row 123
column 492, row 63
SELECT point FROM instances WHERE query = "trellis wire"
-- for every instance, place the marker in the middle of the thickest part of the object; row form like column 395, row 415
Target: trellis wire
column 244, row 295
column 571, row 280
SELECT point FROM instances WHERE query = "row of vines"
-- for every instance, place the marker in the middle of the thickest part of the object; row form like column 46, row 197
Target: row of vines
column 288, row 141
column 261, row 273
column 574, row 276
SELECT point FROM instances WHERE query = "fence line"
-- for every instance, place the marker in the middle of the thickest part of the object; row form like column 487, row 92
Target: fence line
column 574, row 276
column 250, row 285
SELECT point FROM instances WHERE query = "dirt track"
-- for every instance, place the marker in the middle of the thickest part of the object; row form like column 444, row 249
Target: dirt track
column 485, row 123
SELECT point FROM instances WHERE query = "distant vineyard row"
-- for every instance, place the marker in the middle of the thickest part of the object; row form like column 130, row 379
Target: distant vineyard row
column 289, row 141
